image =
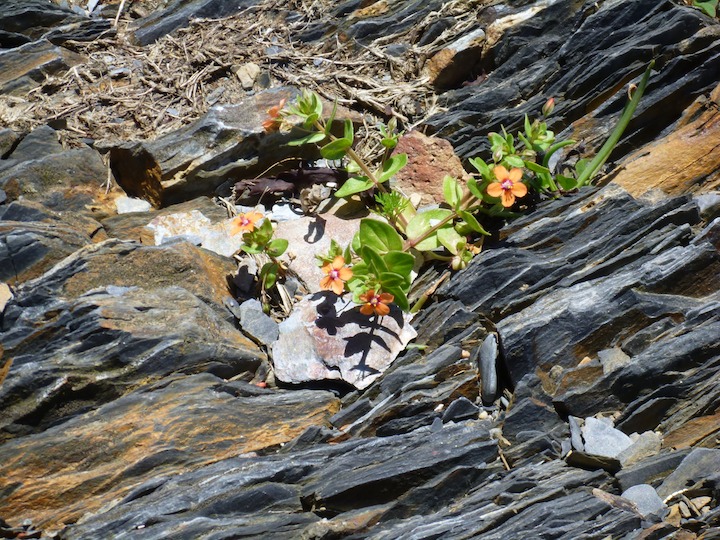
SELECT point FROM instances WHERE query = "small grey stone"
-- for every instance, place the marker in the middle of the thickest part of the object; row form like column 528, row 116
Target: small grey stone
column 488, row 358
column 647, row 444
column 646, row 499
column 126, row 205
column 576, row 433
column 612, row 359
column 602, row 439
column 708, row 204
column 257, row 324
column 461, row 409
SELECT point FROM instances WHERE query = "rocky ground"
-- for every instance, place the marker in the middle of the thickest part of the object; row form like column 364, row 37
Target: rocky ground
column 565, row 385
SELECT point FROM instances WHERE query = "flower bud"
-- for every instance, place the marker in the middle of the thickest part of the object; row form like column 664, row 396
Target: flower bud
column 548, row 107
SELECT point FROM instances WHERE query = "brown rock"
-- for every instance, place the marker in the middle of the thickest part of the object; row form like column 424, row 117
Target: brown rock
column 180, row 424
column 429, row 160
column 696, row 432
column 457, row 62
column 684, row 161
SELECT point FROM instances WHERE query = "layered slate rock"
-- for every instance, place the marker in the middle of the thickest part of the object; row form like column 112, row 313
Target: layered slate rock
column 115, row 452
column 107, row 328
column 565, row 49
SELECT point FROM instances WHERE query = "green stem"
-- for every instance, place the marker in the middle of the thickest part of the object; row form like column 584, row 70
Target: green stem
column 467, row 201
column 604, row 153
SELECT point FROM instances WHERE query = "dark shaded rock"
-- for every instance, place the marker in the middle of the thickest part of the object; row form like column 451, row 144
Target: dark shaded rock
column 697, row 465
column 228, row 142
column 179, row 424
column 25, row 67
column 33, row 17
column 592, row 461
column 8, row 140
column 651, row 470
column 460, row 409
column 37, row 144
column 178, row 14
column 71, row 180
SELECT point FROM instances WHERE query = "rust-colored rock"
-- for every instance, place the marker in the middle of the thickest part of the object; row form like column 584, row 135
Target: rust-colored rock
column 429, row 160
column 701, row 431
column 457, row 62
column 180, row 424
column 684, row 161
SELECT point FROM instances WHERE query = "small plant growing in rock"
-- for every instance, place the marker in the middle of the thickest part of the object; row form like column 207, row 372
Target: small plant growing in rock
column 377, row 267
column 258, row 240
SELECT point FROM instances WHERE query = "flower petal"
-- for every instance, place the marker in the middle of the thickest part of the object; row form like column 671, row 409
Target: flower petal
column 500, row 172
column 326, row 283
column 327, row 268
column 366, row 309
column 519, row 189
column 386, row 298
column 515, row 174
column 495, row 189
column 338, row 262
column 508, row 199
column 345, row 273
column 337, row 286
column 382, row 309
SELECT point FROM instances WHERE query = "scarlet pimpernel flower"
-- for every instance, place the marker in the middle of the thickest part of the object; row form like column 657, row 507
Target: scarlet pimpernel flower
column 272, row 123
column 336, row 274
column 245, row 222
column 508, row 185
column 376, row 303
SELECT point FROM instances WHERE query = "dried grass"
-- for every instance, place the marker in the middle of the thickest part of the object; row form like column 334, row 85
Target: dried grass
column 124, row 91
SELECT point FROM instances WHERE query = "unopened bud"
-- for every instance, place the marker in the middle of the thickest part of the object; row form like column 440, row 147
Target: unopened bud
column 548, row 107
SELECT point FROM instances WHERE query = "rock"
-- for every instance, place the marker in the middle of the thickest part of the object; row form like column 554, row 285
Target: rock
column 646, row 445
column 247, row 74
column 429, row 160
column 5, row 296
column 8, row 140
column 39, row 143
column 602, row 439
column 310, row 236
column 457, row 62
column 592, row 461
column 709, row 204
column 197, row 229
column 227, row 142
column 612, row 359
column 179, row 13
column 71, row 180
column 133, row 226
column 115, row 452
column 126, row 205
column 698, row 464
column 256, row 324
column 325, row 338
column 488, row 359
column 651, row 470
column 460, row 409
column 646, row 499
column 691, row 142
column 25, row 67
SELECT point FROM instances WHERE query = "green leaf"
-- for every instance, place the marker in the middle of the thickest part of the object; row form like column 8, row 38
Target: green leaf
column 474, row 189
column 566, row 182
column 514, row 161
column 423, row 222
column 379, row 235
column 580, row 165
column 400, row 262
column 268, row 274
column 336, row 149
column 400, row 297
column 374, row 261
column 389, row 142
column 391, row 279
column 277, row 247
column 449, row 238
column 709, row 8
column 534, row 167
column 392, row 166
column 311, row 138
column 472, row 222
column 354, row 184
column 481, row 166
column 329, row 123
column 452, row 191
column 349, row 131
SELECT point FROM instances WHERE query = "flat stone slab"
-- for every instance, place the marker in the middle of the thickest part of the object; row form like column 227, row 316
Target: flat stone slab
column 326, row 337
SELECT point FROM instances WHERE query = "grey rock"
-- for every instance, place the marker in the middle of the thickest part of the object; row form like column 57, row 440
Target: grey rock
column 40, row 142
column 256, row 324
column 488, row 358
column 8, row 140
column 646, row 499
column 126, row 205
column 179, row 12
column 325, row 338
column 646, row 445
column 612, row 359
column 708, row 204
column 651, row 470
column 698, row 464
column 602, row 439
column 460, row 409
column 576, row 433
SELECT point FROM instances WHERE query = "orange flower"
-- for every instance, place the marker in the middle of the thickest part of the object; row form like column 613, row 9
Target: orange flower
column 508, row 185
column 376, row 303
column 337, row 275
column 273, row 123
column 245, row 222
